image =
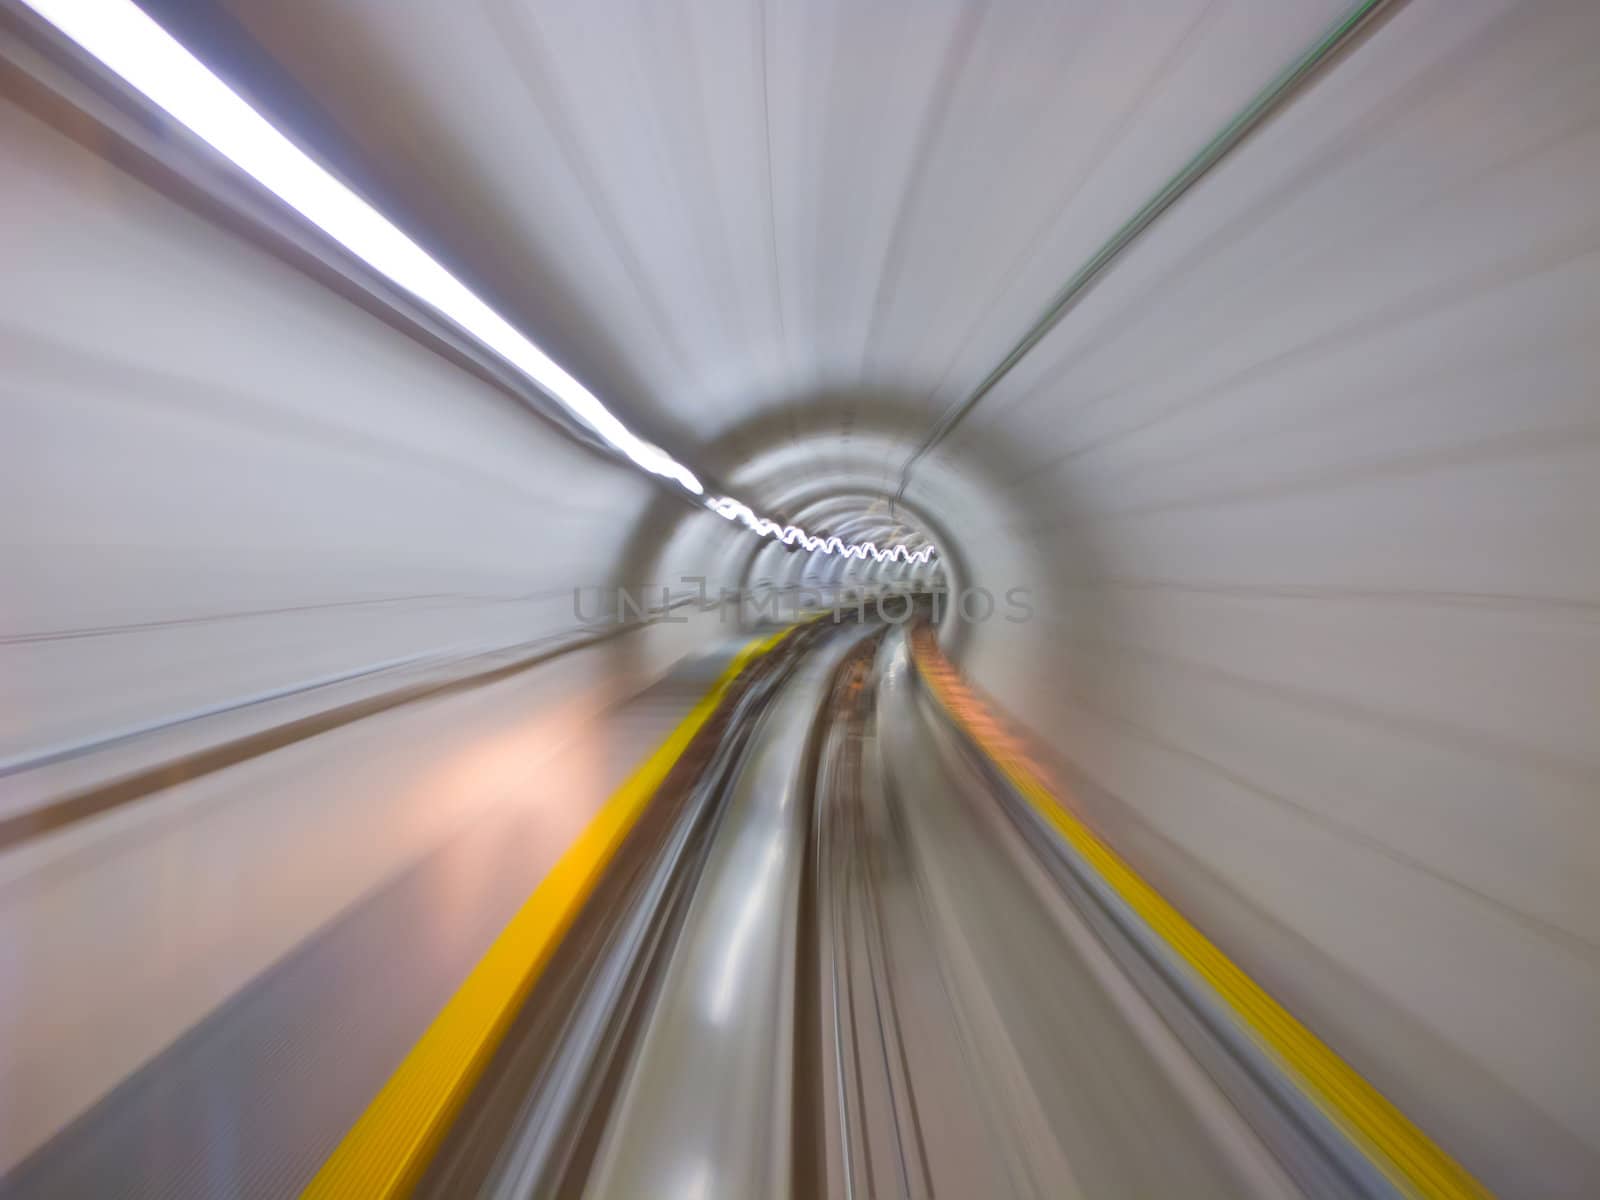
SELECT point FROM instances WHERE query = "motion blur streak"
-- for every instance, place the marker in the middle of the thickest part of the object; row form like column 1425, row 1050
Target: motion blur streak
column 120, row 35
column 1184, row 417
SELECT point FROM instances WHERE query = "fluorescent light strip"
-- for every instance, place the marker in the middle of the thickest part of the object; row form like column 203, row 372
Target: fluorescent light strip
column 124, row 38
column 793, row 535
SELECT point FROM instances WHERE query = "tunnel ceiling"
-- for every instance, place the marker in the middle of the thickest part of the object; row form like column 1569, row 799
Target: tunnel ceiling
column 745, row 224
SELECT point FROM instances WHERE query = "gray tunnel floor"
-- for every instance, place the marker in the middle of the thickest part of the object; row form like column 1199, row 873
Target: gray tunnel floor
column 251, row 1101
column 830, row 961
column 870, row 987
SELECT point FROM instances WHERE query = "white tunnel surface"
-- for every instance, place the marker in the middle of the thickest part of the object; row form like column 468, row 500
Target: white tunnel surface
column 1303, row 493
column 223, row 484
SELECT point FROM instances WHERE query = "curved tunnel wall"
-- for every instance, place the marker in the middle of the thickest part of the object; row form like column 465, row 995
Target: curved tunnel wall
column 230, row 500
column 1304, row 494
column 1325, row 446
column 205, row 450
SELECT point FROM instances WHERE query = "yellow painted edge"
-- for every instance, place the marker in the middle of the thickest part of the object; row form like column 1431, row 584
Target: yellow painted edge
column 391, row 1144
column 1411, row 1160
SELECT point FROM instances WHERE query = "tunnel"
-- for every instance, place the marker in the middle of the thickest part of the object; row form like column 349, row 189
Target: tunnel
column 800, row 598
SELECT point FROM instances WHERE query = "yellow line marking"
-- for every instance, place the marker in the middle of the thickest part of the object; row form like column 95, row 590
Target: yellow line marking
column 389, row 1147
column 1411, row 1160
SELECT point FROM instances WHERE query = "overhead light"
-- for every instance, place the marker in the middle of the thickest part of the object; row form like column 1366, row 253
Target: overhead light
column 125, row 39
column 793, row 535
